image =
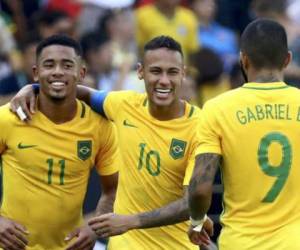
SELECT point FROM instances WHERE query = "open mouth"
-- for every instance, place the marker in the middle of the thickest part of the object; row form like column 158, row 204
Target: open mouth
column 57, row 85
column 162, row 93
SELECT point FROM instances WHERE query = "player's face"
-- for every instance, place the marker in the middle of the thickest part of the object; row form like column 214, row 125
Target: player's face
column 58, row 70
column 163, row 73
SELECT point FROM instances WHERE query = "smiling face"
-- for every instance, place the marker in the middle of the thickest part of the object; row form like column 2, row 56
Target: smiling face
column 163, row 73
column 58, row 70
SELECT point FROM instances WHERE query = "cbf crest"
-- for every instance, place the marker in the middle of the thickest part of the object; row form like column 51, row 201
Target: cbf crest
column 177, row 148
column 84, row 149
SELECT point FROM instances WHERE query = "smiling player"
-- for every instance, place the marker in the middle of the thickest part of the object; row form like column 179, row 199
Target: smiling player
column 157, row 140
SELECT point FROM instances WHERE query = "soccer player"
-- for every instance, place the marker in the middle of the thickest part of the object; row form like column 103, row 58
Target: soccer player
column 157, row 140
column 252, row 133
column 47, row 161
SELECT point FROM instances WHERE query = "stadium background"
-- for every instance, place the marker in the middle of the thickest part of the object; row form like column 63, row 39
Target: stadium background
column 112, row 35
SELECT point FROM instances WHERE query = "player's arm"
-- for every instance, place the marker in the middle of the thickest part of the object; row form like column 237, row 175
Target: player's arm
column 114, row 224
column 200, row 191
column 108, row 193
column 26, row 99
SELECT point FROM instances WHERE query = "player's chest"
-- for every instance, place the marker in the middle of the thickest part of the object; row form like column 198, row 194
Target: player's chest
column 39, row 152
column 153, row 148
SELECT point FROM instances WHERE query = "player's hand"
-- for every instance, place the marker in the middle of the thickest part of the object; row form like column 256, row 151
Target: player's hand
column 111, row 224
column 12, row 235
column 25, row 99
column 202, row 238
column 85, row 239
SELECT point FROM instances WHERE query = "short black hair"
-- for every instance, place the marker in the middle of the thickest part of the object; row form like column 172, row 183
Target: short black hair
column 208, row 66
column 163, row 42
column 264, row 41
column 59, row 40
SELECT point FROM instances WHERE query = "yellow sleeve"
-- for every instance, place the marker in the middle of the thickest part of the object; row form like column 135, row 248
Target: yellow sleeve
column 191, row 163
column 208, row 131
column 4, row 111
column 107, row 159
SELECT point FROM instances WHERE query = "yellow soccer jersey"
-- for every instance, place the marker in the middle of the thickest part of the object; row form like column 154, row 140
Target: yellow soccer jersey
column 182, row 27
column 46, row 168
column 157, row 162
column 256, row 128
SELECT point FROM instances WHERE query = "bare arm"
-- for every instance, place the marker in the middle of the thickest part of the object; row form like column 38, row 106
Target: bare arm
column 109, row 187
column 84, row 93
column 114, row 224
column 172, row 213
column 201, row 184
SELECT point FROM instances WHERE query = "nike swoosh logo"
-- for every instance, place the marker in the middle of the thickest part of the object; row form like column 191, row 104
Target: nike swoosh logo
column 22, row 146
column 125, row 123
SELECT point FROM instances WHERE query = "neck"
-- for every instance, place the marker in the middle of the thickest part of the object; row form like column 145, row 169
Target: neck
column 57, row 111
column 168, row 11
column 265, row 76
column 175, row 110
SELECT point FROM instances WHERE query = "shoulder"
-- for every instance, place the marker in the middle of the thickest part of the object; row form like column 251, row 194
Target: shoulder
column 193, row 111
column 5, row 114
column 145, row 10
column 224, row 98
column 187, row 15
column 127, row 96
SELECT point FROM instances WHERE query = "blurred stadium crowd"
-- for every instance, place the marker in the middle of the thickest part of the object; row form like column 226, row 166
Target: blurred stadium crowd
column 112, row 34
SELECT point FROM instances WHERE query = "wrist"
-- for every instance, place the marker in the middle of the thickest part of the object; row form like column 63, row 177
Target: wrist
column 135, row 222
column 198, row 224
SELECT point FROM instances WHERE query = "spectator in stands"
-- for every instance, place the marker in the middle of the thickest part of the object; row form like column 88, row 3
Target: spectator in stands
column 119, row 25
column 277, row 10
column 212, row 35
column 54, row 22
column 210, row 78
column 167, row 18
column 98, row 54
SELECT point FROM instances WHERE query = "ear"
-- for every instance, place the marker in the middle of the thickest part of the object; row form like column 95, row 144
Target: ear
column 140, row 71
column 288, row 59
column 35, row 73
column 82, row 73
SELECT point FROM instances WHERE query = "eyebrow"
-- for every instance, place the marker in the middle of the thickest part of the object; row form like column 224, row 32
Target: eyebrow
column 64, row 60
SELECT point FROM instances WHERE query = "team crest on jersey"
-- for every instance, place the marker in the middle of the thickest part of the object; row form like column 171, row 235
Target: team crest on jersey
column 84, row 149
column 177, row 148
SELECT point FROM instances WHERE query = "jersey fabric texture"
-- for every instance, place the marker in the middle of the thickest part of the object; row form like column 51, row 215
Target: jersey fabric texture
column 256, row 129
column 182, row 27
column 157, row 162
column 46, row 168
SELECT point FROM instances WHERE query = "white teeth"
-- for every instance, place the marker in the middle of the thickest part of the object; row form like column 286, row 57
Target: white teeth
column 163, row 90
column 58, row 84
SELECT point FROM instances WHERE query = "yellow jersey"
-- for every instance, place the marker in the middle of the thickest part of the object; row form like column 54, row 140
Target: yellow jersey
column 182, row 27
column 157, row 162
column 46, row 168
column 256, row 129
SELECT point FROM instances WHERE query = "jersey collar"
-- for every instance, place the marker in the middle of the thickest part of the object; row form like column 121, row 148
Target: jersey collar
column 265, row 86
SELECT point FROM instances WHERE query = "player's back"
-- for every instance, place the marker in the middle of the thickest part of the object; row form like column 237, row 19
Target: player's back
column 259, row 127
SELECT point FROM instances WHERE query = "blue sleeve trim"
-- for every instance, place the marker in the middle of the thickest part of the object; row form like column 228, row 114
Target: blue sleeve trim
column 97, row 102
column 36, row 88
